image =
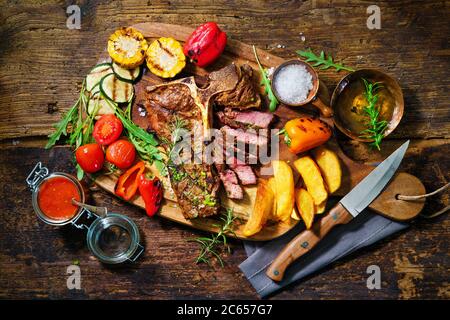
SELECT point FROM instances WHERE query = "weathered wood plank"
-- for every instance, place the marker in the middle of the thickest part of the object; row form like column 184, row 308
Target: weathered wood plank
column 42, row 62
column 34, row 256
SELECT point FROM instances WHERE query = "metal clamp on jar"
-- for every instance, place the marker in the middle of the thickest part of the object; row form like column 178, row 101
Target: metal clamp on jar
column 58, row 199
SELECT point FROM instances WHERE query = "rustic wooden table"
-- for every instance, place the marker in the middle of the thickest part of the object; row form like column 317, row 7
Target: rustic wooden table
column 42, row 64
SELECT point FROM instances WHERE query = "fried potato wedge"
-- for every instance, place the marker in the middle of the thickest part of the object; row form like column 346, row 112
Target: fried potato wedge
column 284, row 184
column 295, row 215
column 305, row 206
column 273, row 187
column 261, row 210
column 312, row 178
column 330, row 167
column 320, row 208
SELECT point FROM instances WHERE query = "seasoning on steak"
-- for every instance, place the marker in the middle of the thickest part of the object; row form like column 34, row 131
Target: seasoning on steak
column 245, row 119
column 244, row 95
column 231, row 184
column 195, row 185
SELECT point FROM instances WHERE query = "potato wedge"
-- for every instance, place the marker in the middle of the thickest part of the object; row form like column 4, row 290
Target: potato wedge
column 312, row 178
column 261, row 210
column 295, row 215
column 284, row 184
column 330, row 167
column 305, row 206
column 320, row 208
column 273, row 187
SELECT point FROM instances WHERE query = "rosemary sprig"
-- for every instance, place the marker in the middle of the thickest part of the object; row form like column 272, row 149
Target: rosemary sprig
column 322, row 60
column 209, row 246
column 266, row 82
column 375, row 126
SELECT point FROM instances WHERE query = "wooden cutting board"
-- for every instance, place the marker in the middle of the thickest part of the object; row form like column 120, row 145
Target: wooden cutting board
column 240, row 53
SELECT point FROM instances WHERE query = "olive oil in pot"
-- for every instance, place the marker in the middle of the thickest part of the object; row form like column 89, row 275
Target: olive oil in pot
column 352, row 101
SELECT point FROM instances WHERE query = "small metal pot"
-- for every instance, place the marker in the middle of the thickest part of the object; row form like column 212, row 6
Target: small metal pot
column 340, row 118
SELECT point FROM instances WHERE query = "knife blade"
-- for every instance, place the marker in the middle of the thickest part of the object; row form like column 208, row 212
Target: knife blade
column 349, row 207
column 370, row 187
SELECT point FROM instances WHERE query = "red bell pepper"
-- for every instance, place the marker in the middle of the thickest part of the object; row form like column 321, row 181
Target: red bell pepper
column 205, row 44
column 129, row 181
column 151, row 191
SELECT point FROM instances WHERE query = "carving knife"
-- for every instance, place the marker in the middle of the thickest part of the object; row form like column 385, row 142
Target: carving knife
column 348, row 208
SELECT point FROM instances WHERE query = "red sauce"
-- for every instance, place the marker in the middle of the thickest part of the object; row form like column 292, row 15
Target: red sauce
column 55, row 198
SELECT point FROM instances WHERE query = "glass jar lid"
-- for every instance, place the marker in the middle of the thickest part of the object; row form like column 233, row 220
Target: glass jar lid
column 114, row 239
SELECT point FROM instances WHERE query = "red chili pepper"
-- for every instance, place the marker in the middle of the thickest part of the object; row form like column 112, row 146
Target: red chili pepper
column 129, row 181
column 151, row 191
column 205, row 44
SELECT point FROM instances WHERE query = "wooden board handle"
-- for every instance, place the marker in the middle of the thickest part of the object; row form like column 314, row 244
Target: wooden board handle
column 307, row 240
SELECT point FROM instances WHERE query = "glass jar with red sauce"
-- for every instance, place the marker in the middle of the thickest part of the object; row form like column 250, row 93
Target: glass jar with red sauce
column 113, row 238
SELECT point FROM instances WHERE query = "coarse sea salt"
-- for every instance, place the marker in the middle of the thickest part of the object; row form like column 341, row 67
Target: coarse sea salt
column 293, row 83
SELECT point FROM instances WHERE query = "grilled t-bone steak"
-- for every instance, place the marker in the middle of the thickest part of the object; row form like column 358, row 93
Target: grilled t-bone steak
column 194, row 184
column 244, row 119
column 244, row 95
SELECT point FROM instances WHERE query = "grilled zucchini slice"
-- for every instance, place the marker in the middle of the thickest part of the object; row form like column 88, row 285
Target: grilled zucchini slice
column 102, row 106
column 116, row 90
column 126, row 75
column 96, row 74
column 127, row 47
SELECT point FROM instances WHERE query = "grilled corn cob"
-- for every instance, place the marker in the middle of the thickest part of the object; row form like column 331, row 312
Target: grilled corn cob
column 165, row 57
column 127, row 47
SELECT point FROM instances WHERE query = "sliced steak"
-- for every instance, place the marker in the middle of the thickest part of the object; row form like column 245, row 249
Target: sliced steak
column 230, row 150
column 245, row 174
column 231, row 184
column 195, row 185
column 245, row 119
column 244, row 95
column 245, row 136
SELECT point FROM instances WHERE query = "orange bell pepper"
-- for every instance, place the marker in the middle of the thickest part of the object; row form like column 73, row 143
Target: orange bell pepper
column 305, row 133
column 129, row 181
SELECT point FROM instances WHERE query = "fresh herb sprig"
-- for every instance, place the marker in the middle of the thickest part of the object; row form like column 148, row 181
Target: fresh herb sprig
column 375, row 125
column 209, row 247
column 81, row 129
column 265, row 81
column 71, row 119
column 322, row 60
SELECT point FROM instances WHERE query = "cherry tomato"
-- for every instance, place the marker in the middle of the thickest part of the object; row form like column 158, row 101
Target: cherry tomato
column 121, row 153
column 107, row 129
column 90, row 157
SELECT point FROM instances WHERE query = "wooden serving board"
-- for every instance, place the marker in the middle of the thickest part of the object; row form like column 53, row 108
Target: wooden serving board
column 239, row 53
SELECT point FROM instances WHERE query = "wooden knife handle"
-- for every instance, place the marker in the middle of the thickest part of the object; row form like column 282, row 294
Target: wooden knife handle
column 306, row 240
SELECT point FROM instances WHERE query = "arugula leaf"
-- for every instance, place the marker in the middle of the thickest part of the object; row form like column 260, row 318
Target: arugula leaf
column 322, row 60
column 61, row 126
column 266, row 82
